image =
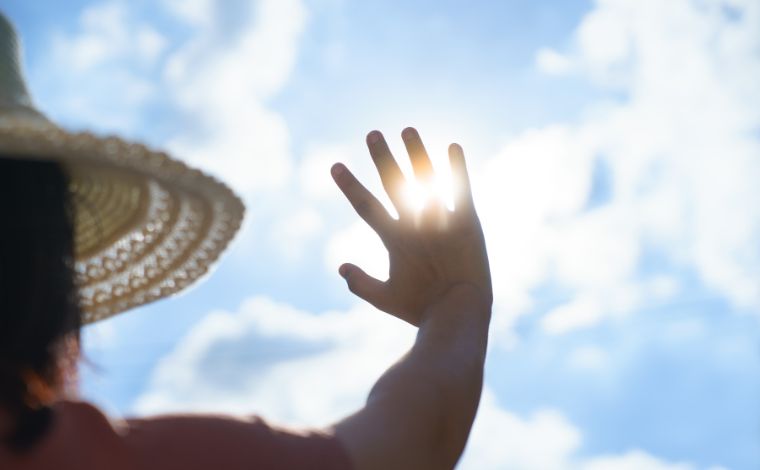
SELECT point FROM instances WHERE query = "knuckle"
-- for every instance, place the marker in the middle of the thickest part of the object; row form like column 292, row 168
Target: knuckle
column 353, row 285
column 363, row 207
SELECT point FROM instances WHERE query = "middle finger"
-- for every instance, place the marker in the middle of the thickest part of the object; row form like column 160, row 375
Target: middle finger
column 421, row 164
column 390, row 173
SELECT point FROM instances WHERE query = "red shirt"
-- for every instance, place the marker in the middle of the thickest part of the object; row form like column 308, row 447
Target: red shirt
column 82, row 438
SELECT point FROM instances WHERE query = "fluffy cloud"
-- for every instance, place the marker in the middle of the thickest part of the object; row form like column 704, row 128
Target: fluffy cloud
column 213, row 89
column 222, row 80
column 292, row 234
column 501, row 439
column 111, row 56
column 359, row 245
column 633, row 460
column 197, row 12
column 314, row 168
column 217, row 84
column 108, row 35
column 272, row 359
column 546, row 440
column 662, row 167
column 665, row 167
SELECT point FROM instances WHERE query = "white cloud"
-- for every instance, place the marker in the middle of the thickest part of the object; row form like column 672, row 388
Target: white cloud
column 149, row 43
column 589, row 358
column 679, row 143
column 546, row 440
column 223, row 84
column 292, row 233
column 331, row 212
column 552, row 62
column 197, row 12
column 537, row 182
column 500, row 439
column 314, row 171
column 359, row 245
column 279, row 362
column 109, row 35
column 633, row 460
column 219, row 81
column 219, row 87
column 104, row 68
column 103, row 35
column 272, row 359
column 579, row 312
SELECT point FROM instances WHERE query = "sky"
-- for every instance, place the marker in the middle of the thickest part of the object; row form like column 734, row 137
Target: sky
column 614, row 148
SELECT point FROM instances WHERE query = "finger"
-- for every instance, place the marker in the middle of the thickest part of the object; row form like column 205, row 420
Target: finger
column 363, row 285
column 461, row 180
column 421, row 164
column 363, row 202
column 390, row 174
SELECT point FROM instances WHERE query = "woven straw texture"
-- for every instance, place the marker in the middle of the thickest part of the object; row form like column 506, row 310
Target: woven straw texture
column 146, row 226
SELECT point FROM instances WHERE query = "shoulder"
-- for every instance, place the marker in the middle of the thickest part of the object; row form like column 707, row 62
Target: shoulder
column 83, row 412
column 83, row 419
column 190, row 441
column 220, row 441
column 80, row 437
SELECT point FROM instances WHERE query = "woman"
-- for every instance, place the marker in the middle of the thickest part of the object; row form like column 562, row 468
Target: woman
column 93, row 227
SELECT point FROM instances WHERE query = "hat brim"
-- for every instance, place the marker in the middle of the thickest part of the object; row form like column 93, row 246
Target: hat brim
column 146, row 226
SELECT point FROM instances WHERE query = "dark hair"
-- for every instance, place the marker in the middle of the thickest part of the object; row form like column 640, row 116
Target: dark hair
column 39, row 305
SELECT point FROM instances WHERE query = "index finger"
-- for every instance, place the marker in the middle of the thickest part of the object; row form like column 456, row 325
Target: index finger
column 365, row 204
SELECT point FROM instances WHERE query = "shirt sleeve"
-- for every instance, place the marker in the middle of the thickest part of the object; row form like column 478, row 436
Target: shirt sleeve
column 204, row 442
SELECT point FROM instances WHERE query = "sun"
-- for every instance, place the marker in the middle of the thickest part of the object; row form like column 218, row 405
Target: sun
column 418, row 195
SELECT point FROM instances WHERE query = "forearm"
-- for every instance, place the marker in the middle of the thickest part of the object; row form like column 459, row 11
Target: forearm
column 426, row 402
column 451, row 348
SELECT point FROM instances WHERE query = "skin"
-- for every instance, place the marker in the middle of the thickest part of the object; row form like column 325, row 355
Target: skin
column 419, row 413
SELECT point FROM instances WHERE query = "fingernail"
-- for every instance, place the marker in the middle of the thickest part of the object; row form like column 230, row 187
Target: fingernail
column 373, row 137
column 408, row 133
column 343, row 271
column 337, row 170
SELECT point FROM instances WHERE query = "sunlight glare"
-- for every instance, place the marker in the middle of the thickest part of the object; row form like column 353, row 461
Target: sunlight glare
column 417, row 195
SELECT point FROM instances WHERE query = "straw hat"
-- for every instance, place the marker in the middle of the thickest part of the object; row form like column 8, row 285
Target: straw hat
column 146, row 226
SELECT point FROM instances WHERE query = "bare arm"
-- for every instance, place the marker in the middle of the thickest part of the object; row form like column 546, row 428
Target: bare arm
column 419, row 413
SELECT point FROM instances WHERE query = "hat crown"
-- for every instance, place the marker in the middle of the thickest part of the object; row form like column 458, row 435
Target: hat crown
column 13, row 90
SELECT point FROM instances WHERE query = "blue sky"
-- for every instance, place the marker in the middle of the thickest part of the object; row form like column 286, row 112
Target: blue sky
column 613, row 147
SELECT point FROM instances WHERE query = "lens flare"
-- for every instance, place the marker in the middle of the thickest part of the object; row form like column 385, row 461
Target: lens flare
column 417, row 195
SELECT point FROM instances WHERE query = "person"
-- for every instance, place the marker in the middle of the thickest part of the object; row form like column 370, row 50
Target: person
column 94, row 226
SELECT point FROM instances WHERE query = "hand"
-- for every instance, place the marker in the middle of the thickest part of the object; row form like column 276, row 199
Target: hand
column 432, row 249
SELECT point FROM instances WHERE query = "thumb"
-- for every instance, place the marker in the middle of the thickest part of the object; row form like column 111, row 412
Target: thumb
column 363, row 285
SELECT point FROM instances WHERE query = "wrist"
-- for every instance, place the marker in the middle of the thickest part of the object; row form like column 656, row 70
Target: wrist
column 465, row 300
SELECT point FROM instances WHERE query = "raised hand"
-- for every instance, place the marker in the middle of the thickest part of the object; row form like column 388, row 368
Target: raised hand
column 431, row 249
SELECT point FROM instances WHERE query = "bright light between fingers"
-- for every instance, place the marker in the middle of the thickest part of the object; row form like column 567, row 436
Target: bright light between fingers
column 445, row 190
column 418, row 195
